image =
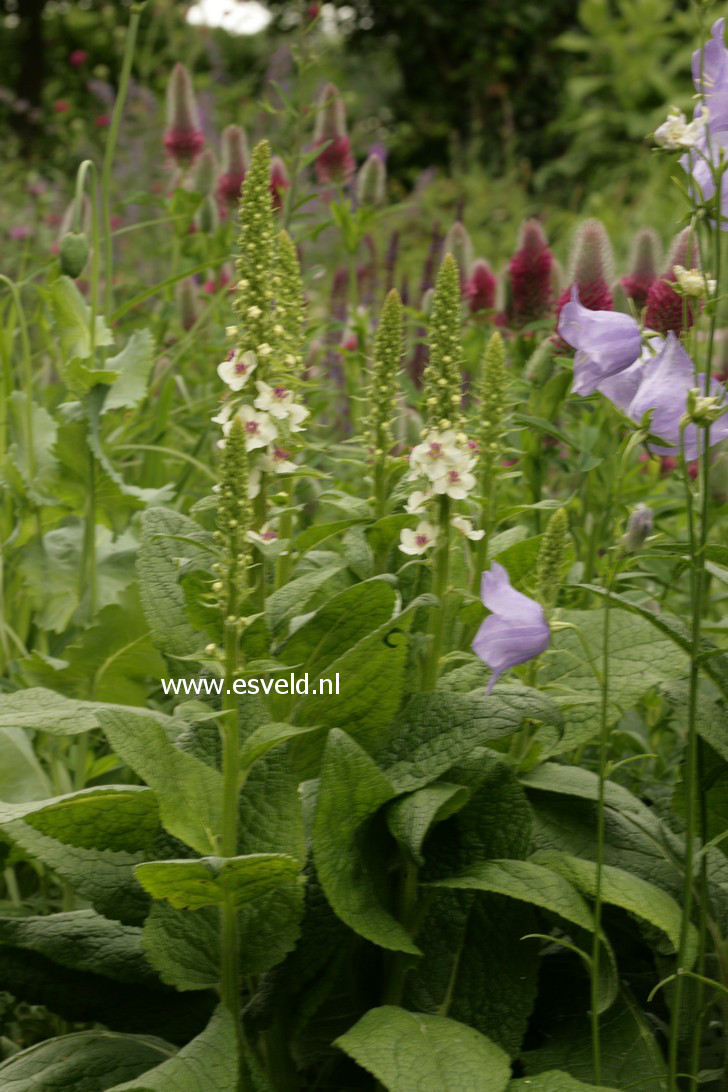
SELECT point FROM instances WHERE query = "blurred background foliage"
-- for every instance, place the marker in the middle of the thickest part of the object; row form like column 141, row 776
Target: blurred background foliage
column 504, row 109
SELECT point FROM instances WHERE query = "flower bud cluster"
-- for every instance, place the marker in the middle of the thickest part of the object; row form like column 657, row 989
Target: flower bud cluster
column 233, row 522
column 388, row 347
column 551, row 557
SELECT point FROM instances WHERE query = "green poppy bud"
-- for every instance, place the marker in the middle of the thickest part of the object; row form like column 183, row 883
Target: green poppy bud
column 73, row 253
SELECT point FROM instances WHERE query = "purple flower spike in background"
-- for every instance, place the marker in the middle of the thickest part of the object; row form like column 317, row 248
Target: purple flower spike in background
column 607, row 343
column 664, row 389
column 515, row 631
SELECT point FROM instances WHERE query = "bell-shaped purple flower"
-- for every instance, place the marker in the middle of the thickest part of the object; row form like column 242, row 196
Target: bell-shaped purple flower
column 515, row 631
column 710, row 76
column 607, row 342
column 664, row 390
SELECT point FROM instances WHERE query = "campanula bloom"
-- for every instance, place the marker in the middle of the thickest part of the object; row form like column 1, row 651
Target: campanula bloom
column 515, row 631
column 667, row 381
column 607, row 342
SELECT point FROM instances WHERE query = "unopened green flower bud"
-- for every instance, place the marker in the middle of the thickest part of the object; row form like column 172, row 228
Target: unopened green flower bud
column 73, row 253
column 492, row 396
column 371, row 181
column 703, row 409
column 639, row 526
column 551, row 558
column 388, row 349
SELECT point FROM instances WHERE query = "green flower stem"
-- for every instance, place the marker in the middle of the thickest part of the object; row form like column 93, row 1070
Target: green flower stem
column 285, row 531
column 407, row 914
column 27, row 370
column 487, row 508
column 229, row 728
column 440, row 578
column 260, row 510
column 691, row 765
column 108, row 161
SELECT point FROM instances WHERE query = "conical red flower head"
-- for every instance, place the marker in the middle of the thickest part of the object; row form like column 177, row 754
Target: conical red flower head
column 530, row 273
column 184, row 138
column 481, row 286
column 235, row 161
column 644, row 264
column 590, row 269
column 279, row 181
column 335, row 162
column 666, row 310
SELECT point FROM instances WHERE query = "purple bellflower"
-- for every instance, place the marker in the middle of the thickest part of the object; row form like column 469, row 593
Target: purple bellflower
column 515, row 631
column 607, row 342
column 710, row 77
column 666, row 382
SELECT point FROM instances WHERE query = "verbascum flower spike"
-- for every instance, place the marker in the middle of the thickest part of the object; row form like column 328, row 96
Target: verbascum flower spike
column 256, row 259
column 388, row 349
column 371, row 182
column 234, row 519
column 335, row 163
column 590, row 268
column 551, row 558
column 514, row 632
column 442, row 374
column 459, row 244
column 279, row 182
column 492, row 400
column 235, row 163
column 666, row 309
column 289, row 306
column 184, row 138
column 530, row 277
column 481, row 287
column 643, row 266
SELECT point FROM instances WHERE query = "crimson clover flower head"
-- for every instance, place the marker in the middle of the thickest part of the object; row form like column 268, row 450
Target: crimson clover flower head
column 667, row 381
column 515, row 631
column 607, row 342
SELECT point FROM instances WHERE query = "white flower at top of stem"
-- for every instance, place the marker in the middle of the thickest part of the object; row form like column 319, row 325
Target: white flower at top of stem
column 418, row 541
column 693, row 282
column 465, row 527
column 237, row 370
column 678, row 133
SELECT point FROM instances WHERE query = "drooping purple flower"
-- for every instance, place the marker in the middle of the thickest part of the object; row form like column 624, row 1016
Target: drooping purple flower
column 664, row 389
column 607, row 342
column 710, row 76
column 515, row 631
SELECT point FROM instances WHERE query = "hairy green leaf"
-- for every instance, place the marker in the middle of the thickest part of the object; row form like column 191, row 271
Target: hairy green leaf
column 213, row 881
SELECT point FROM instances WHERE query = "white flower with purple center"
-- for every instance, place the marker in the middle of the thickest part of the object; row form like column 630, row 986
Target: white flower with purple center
column 223, row 417
column 265, row 537
column 418, row 541
column 260, row 429
column 237, row 369
column 437, row 451
column 456, row 481
column 276, row 460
